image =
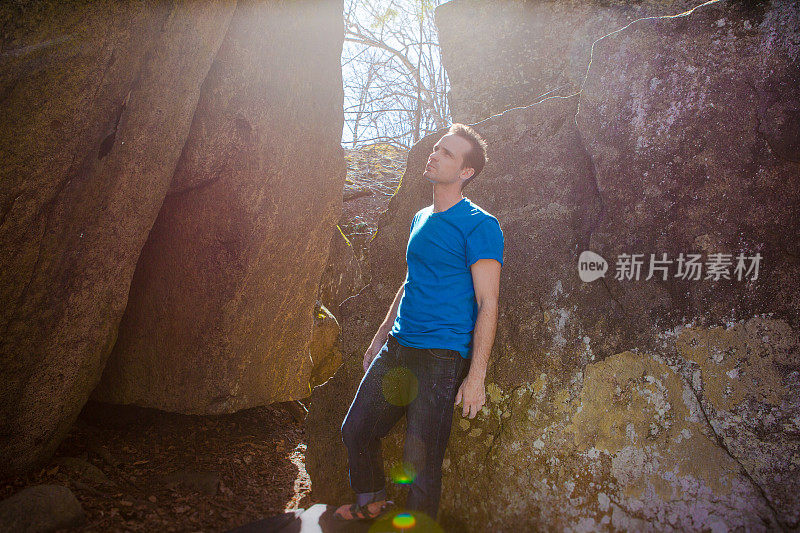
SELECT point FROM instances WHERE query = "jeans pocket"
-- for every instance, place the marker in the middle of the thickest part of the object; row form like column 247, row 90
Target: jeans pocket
column 443, row 353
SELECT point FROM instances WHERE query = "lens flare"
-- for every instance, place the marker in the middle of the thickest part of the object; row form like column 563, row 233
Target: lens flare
column 404, row 521
column 403, row 473
column 400, row 386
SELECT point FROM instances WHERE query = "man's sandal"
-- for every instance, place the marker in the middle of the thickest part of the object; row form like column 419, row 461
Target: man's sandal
column 362, row 512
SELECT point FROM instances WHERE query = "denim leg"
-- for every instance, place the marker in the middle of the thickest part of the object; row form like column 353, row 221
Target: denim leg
column 430, row 415
column 369, row 419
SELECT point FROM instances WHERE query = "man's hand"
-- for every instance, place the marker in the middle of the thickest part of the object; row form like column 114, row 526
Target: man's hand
column 486, row 280
column 473, row 394
column 372, row 352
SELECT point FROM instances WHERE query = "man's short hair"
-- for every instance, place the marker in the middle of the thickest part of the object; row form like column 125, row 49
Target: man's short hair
column 476, row 157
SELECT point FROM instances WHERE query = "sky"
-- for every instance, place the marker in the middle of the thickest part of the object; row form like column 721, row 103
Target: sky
column 399, row 17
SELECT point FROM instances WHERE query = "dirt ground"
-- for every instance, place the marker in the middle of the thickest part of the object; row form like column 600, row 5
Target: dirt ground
column 170, row 472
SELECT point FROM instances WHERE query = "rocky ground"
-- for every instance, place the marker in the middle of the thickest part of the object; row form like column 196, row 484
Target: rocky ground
column 135, row 469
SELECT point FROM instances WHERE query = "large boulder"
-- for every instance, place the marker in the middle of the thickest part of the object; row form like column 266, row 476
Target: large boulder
column 621, row 402
column 96, row 105
column 501, row 54
column 221, row 307
column 696, row 150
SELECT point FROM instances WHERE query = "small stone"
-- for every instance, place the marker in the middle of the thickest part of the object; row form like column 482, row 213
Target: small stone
column 41, row 508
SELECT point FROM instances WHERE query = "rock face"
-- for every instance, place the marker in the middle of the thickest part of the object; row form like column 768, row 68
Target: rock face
column 96, row 106
column 501, row 54
column 342, row 275
column 747, row 376
column 706, row 160
column 221, row 306
column 325, row 352
column 642, row 404
column 625, row 443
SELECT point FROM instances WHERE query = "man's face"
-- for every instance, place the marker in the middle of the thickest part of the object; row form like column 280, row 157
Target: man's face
column 445, row 162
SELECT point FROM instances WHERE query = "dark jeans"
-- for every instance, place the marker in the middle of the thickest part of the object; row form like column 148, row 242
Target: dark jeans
column 422, row 384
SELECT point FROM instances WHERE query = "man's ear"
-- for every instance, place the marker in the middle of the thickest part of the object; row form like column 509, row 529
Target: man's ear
column 466, row 173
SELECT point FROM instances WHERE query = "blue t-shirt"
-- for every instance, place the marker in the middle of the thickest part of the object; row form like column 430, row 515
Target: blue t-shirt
column 438, row 308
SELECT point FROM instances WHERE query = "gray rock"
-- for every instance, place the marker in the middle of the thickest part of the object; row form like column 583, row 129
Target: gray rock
column 39, row 509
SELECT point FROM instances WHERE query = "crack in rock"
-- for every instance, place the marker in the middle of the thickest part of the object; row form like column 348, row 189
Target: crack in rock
column 720, row 440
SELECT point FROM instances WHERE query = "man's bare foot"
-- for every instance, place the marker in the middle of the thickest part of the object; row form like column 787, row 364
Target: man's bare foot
column 366, row 512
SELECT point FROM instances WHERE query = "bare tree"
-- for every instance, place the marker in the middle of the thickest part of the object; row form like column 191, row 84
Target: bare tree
column 394, row 82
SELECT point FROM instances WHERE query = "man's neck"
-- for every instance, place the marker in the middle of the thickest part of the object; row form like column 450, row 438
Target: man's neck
column 445, row 197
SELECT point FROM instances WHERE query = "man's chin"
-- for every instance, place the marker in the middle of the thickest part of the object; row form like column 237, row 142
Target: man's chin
column 431, row 175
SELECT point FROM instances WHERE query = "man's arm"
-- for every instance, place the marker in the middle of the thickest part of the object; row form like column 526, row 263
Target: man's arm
column 486, row 280
column 383, row 331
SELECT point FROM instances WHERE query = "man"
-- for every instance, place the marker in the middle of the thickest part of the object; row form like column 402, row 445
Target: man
column 432, row 348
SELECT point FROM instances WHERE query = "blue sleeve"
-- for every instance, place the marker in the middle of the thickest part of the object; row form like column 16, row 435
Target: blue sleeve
column 485, row 242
